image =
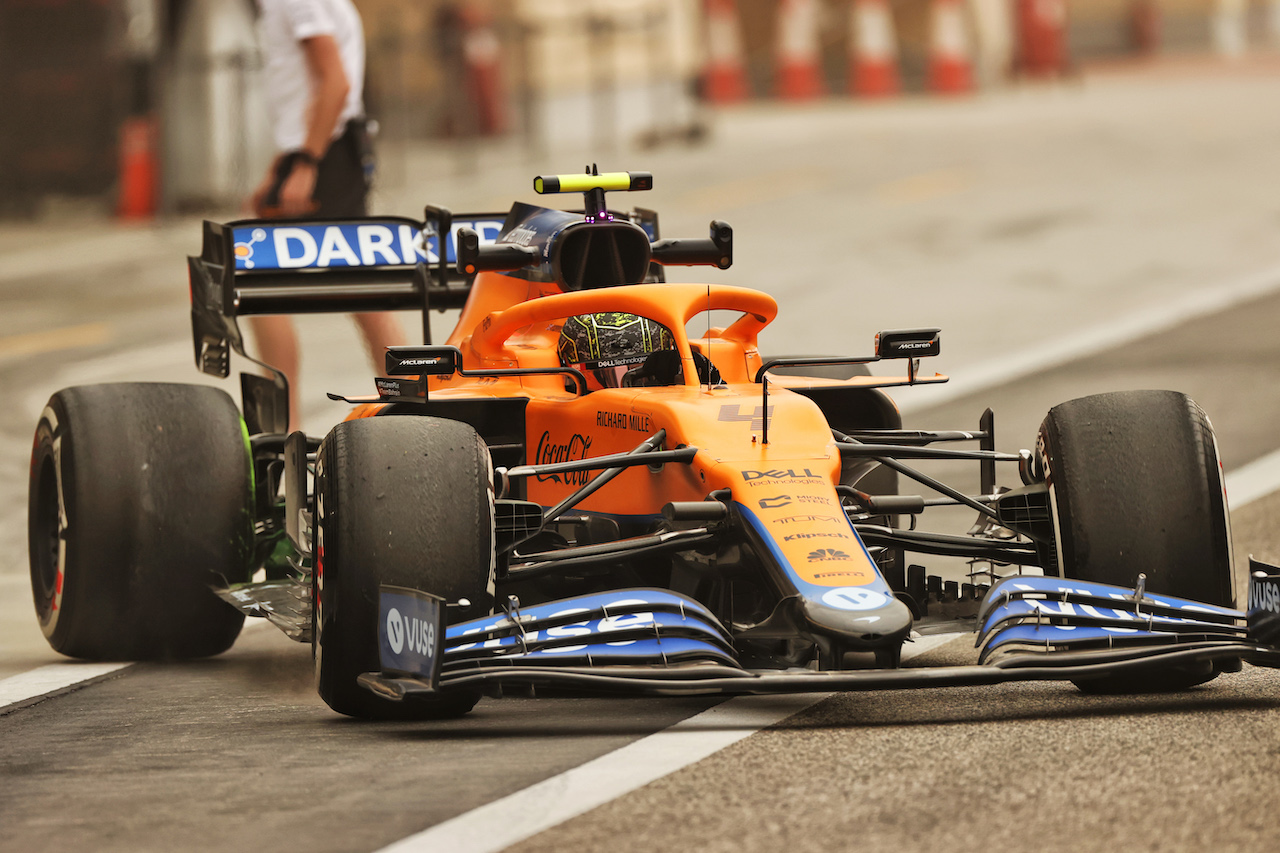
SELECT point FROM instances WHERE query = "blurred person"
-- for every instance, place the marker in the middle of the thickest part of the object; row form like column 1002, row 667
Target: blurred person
column 313, row 53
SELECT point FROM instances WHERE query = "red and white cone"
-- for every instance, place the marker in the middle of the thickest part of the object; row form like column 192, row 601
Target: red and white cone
column 724, row 77
column 950, row 57
column 1145, row 26
column 1042, row 32
column 139, row 169
column 873, row 61
column 482, row 56
column 798, row 74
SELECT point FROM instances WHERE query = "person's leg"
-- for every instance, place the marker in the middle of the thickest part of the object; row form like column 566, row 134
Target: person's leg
column 277, row 345
column 381, row 330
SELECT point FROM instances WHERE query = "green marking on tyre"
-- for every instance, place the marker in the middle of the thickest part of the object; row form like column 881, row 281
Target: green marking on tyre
column 248, row 542
column 248, row 456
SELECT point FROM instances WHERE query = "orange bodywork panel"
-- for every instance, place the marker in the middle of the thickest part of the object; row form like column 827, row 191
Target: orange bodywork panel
column 787, row 485
column 785, row 488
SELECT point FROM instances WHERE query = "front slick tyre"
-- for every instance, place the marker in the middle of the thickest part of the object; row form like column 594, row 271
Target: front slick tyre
column 405, row 501
column 139, row 504
column 1135, row 487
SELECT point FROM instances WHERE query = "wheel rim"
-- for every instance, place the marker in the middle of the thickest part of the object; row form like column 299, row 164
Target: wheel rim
column 45, row 539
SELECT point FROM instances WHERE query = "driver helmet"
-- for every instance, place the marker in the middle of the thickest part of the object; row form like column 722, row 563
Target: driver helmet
column 607, row 346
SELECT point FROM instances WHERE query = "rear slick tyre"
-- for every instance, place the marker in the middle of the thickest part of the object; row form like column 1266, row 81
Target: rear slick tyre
column 139, row 504
column 1135, row 486
column 406, row 501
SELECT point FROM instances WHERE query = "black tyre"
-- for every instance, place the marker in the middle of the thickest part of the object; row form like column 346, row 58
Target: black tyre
column 139, row 503
column 406, row 501
column 1135, row 487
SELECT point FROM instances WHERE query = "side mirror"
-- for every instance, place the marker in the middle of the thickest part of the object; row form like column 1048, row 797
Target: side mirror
column 499, row 257
column 422, row 361
column 715, row 251
column 908, row 343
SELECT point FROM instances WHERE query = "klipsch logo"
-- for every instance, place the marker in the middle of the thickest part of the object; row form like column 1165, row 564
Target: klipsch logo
column 550, row 451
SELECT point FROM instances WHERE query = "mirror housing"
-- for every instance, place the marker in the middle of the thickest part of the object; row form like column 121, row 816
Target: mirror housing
column 423, row 361
column 908, row 343
column 714, row 251
column 496, row 257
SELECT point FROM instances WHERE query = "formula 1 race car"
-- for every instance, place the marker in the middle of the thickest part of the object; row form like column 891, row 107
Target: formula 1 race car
column 589, row 487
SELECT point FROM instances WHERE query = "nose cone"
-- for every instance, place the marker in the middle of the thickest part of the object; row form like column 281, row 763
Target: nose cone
column 861, row 617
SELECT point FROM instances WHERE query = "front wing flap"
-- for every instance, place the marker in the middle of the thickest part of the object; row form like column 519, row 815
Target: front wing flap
column 1046, row 614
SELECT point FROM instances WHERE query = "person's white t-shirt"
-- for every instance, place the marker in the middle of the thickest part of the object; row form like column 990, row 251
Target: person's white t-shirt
column 281, row 28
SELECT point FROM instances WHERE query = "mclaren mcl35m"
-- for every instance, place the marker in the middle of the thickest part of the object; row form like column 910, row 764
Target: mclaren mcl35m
column 590, row 486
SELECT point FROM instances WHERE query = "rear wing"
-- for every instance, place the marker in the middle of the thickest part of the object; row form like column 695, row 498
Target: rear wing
column 324, row 266
column 395, row 263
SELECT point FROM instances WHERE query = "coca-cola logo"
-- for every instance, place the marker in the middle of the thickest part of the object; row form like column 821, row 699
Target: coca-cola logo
column 550, row 451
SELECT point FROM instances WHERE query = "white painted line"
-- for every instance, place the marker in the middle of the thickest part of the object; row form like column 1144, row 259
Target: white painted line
column 1099, row 338
column 58, row 677
column 512, row 819
column 1256, row 480
column 52, row 678
column 553, row 801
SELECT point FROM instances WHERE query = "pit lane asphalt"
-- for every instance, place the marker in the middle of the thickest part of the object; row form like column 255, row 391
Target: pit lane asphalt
column 238, row 752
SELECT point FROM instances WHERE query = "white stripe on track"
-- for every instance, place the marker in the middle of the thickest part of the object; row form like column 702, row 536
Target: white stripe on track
column 67, row 675
column 1256, row 480
column 1109, row 334
column 52, row 678
column 512, row 819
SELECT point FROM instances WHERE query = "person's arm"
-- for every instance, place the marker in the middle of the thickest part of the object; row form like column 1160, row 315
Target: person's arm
column 329, row 88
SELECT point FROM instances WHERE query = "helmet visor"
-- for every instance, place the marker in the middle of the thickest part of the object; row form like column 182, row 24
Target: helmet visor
column 608, row 373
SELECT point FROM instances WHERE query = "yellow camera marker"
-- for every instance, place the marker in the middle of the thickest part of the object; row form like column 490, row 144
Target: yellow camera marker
column 613, row 181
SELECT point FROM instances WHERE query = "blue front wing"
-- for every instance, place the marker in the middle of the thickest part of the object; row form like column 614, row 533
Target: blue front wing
column 657, row 642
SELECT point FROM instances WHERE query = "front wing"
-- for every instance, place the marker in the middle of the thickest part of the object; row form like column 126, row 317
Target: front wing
column 659, row 643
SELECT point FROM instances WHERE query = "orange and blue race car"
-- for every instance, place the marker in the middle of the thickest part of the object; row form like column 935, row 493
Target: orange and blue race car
column 590, row 486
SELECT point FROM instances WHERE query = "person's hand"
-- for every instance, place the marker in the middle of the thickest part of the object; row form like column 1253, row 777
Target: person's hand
column 257, row 201
column 291, row 196
column 296, row 191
